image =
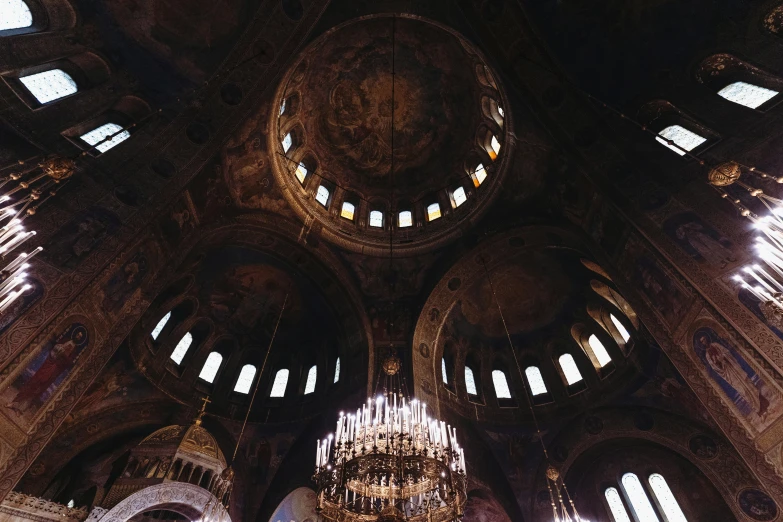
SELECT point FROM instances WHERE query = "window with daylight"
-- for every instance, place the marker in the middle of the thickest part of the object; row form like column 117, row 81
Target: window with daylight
column 666, row 501
column 322, row 195
column 479, row 175
column 301, row 172
column 347, row 210
column 620, row 328
column 282, row 108
column 287, row 142
column 495, row 144
column 502, row 390
column 278, row 386
column 49, row 85
column 470, row 382
column 96, row 136
column 337, row 370
column 459, row 197
column 211, row 367
column 501, row 112
column 159, row 327
column 245, row 379
column 376, row 219
column 182, row 348
column 571, row 372
column 443, row 370
column 616, row 505
column 747, row 94
column 638, row 498
column 14, row 14
column 406, row 219
column 599, row 352
column 311, row 377
column 682, row 137
column 535, row 380
column 433, row 212
column 70, row 503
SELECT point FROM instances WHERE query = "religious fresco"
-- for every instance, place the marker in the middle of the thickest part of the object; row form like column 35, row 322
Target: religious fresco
column 702, row 242
column 483, row 507
column 81, row 236
column 759, row 403
column 44, row 373
column 180, row 220
column 298, row 506
column 124, row 282
column 754, row 304
column 22, row 304
column 757, row 505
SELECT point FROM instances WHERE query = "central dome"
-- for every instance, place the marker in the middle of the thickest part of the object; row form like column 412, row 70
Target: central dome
column 334, row 130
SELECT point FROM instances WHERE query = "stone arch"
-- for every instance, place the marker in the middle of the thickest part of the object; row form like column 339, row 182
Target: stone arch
column 186, row 499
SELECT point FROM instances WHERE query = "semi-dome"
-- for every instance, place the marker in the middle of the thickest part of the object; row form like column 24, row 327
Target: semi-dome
column 193, row 439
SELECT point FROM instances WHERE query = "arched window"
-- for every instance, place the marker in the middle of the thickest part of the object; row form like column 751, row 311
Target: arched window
column 51, row 85
column 501, row 111
column 470, row 382
column 70, row 503
column 281, row 381
column 159, row 327
column 104, row 131
column 301, row 172
column 287, row 142
column 282, row 108
column 571, row 372
column 502, row 390
column 433, row 212
column 322, row 195
column 312, row 375
column 211, row 367
column 535, row 380
column 182, row 348
column 337, row 370
column 479, row 175
column 406, row 219
column 747, row 94
column 443, row 370
column 14, row 14
column 245, row 380
column 639, row 502
column 347, row 210
column 376, row 219
column 620, row 328
column 599, row 352
column 666, row 501
column 616, row 505
column 682, row 137
column 458, row 196
column 495, row 147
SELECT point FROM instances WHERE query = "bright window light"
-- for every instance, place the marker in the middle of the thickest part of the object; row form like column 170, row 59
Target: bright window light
column 14, row 14
column 278, row 387
column 666, row 499
column 104, row 131
column 287, row 142
column 301, row 172
column 50, row 85
column 600, row 353
column 470, row 382
column 459, row 196
column 406, row 219
column 443, row 371
column 535, row 380
column 433, row 212
column 337, row 370
column 182, row 348
column 639, row 501
column 70, row 503
column 495, row 144
column 682, row 137
column 245, row 380
column 747, row 94
column 501, row 112
column 616, row 505
column 159, row 327
column 376, row 219
column 322, row 195
column 620, row 328
column 502, row 390
column 571, row 372
column 311, row 378
column 282, row 108
column 479, row 175
column 347, row 210
column 211, row 367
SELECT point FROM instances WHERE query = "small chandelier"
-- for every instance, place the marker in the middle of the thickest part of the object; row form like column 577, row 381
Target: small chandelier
column 390, row 461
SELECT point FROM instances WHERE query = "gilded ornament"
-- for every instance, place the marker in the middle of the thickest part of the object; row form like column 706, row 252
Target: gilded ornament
column 725, row 174
column 58, row 168
column 391, row 365
column 552, row 474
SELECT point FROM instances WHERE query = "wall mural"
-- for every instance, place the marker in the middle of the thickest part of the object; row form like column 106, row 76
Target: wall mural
column 702, row 242
column 297, row 506
column 483, row 507
column 754, row 304
column 758, row 505
column 45, row 372
column 759, row 403
column 80, row 236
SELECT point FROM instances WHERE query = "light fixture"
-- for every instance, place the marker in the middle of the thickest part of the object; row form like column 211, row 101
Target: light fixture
column 390, row 461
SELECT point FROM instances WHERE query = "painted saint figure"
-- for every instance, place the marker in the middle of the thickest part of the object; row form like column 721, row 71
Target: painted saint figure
column 713, row 251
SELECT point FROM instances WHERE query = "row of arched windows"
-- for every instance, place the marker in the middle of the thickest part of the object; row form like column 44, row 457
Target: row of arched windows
column 652, row 504
column 248, row 373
